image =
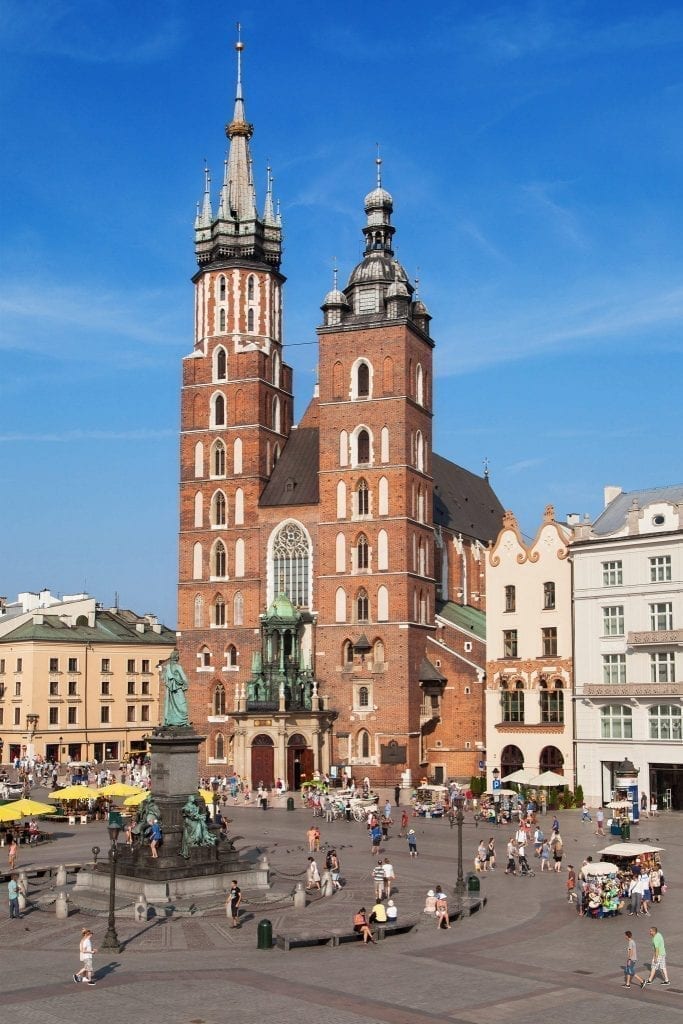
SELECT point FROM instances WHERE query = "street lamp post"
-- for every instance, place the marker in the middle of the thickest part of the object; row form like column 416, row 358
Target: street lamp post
column 459, row 801
column 111, row 939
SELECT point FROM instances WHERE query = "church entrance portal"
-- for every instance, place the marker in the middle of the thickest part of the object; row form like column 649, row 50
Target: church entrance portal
column 262, row 761
column 299, row 762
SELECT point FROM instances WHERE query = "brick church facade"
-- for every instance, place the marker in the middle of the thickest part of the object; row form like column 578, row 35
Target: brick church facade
column 332, row 573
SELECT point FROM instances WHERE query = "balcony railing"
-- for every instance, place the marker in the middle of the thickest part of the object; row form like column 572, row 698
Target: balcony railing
column 655, row 638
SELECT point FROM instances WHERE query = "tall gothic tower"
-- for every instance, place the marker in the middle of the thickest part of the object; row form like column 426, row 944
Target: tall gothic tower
column 236, row 414
column 376, row 583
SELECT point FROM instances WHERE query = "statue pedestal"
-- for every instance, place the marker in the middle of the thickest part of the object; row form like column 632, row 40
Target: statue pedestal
column 170, row 876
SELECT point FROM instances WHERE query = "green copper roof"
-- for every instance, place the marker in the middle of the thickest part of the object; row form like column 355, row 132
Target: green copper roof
column 282, row 608
column 465, row 617
column 110, row 628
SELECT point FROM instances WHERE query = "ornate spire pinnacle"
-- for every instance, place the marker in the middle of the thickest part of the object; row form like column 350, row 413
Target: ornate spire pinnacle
column 378, row 161
column 206, row 215
column 239, row 131
column 237, row 230
column 268, row 211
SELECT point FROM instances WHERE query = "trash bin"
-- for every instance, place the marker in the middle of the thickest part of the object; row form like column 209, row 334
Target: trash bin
column 264, row 803
column 473, row 883
column 264, row 934
column 625, row 831
column 290, row 803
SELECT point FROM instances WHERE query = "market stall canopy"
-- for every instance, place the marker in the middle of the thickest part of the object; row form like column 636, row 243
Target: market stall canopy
column 548, row 779
column 74, row 793
column 603, row 867
column 120, row 789
column 630, row 850
column 501, row 792
column 136, row 798
column 24, row 809
column 523, row 775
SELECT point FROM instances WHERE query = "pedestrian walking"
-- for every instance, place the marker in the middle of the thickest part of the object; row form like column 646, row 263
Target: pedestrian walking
column 658, row 958
column 397, row 795
column 599, row 822
column 389, row 877
column 491, row 853
column 312, row 875
column 378, row 879
column 585, row 812
column 85, row 953
column 510, row 867
column 412, row 842
column 334, row 867
column 630, row 965
column 12, row 852
column 404, row 822
column 375, row 838
column 571, row 884
column 233, row 903
column 13, row 897
column 310, row 835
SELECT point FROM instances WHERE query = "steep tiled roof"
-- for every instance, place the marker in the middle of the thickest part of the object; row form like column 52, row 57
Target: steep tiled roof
column 464, row 502
column 614, row 516
column 294, row 481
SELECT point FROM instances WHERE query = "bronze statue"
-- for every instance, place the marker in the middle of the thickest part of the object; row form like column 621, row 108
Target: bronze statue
column 175, row 706
column 195, row 830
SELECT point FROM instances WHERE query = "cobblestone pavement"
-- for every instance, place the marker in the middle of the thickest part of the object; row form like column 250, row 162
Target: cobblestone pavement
column 526, row 958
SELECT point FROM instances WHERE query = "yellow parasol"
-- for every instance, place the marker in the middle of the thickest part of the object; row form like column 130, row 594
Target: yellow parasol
column 120, row 789
column 74, row 793
column 24, row 808
column 136, row 799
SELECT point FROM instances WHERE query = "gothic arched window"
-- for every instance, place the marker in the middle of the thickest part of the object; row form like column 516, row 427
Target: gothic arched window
column 238, row 609
column 219, row 612
column 219, row 747
column 220, row 560
column 363, row 498
column 221, row 356
column 231, row 654
column 363, row 697
column 198, row 611
column 362, row 606
column 363, row 446
column 219, row 511
column 291, row 558
column 221, row 288
column 250, row 287
column 250, row 320
column 362, row 550
column 219, row 459
column 219, row 700
column 363, row 380
column 221, row 321
column 219, row 411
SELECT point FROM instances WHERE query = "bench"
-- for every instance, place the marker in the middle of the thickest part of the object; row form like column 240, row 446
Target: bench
column 334, row 937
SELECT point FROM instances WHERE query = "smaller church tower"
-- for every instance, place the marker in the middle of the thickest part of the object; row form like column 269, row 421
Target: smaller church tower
column 376, row 577
column 236, row 415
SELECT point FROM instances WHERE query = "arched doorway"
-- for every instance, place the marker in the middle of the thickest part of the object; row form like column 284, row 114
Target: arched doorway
column 262, row 761
column 299, row 761
column 511, row 760
column 551, row 760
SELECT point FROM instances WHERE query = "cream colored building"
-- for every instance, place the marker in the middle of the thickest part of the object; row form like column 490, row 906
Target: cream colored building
column 78, row 682
column 529, row 651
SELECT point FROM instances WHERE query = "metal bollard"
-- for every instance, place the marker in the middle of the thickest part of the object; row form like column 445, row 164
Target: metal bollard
column 290, row 803
column 326, row 886
column 264, row 934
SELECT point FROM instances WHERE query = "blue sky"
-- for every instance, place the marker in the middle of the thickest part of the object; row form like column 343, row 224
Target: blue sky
column 535, row 156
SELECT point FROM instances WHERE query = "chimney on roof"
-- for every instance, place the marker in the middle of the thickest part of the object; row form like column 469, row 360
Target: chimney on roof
column 612, row 491
column 140, row 626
